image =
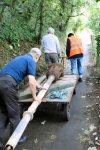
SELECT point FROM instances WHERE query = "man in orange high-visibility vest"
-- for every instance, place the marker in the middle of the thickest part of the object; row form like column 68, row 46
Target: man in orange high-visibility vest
column 74, row 52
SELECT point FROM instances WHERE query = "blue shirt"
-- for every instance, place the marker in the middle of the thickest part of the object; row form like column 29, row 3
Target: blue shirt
column 50, row 44
column 20, row 67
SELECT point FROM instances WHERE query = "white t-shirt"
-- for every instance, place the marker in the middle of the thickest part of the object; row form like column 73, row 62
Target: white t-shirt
column 50, row 44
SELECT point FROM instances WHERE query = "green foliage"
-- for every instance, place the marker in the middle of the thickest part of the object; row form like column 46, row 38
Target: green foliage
column 28, row 20
column 94, row 24
column 98, row 43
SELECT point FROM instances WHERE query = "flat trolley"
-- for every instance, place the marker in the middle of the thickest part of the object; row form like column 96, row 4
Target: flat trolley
column 65, row 85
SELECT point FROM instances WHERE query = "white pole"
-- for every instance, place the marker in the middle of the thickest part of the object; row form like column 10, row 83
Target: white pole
column 27, row 116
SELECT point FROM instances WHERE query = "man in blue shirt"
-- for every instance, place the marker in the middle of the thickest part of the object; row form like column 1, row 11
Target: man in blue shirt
column 51, row 46
column 10, row 77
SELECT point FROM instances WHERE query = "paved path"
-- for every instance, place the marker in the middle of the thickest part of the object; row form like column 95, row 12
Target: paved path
column 48, row 132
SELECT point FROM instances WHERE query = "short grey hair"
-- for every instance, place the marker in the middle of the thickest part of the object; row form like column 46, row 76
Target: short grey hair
column 51, row 30
column 37, row 51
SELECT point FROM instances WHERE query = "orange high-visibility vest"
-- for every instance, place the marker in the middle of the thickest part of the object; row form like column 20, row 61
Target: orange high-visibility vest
column 76, row 46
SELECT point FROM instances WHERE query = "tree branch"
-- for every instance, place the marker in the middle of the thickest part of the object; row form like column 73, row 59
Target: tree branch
column 77, row 15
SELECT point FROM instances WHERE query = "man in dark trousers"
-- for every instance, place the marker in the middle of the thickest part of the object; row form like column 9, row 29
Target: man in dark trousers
column 74, row 52
column 10, row 77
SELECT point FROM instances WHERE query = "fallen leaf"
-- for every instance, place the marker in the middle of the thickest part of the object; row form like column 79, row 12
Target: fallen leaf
column 87, row 118
column 92, row 148
column 83, row 96
column 96, row 138
column 92, row 127
column 97, row 143
column 53, row 137
column 95, row 133
column 36, row 141
column 43, row 122
column 86, row 132
column 97, row 96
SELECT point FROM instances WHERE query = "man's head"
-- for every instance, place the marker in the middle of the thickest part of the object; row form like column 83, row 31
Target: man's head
column 36, row 53
column 51, row 30
column 70, row 34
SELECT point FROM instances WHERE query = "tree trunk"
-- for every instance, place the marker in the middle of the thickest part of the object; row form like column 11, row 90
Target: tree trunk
column 40, row 21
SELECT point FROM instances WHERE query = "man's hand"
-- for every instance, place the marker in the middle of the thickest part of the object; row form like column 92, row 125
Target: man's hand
column 38, row 85
column 67, row 57
column 41, row 88
column 58, row 55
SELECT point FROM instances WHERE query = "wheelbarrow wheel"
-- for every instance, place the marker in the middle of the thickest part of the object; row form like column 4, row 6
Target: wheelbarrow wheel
column 66, row 112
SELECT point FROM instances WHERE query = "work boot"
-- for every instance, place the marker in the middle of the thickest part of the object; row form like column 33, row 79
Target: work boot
column 23, row 139
column 1, row 145
column 80, row 80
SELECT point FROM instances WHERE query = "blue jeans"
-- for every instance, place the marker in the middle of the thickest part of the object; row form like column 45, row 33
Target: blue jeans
column 76, row 65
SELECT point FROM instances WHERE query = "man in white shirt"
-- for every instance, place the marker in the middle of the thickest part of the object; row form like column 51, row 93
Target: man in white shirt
column 51, row 46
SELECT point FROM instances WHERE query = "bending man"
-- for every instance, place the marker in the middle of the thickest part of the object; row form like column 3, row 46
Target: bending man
column 10, row 77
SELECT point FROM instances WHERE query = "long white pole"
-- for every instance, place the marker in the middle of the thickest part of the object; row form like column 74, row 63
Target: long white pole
column 27, row 116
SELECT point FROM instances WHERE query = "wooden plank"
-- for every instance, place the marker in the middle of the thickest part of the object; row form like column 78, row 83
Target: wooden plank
column 28, row 90
column 66, row 80
column 66, row 83
column 66, row 98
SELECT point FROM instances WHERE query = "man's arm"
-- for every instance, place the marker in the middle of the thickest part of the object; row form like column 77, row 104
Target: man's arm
column 33, row 85
column 58, row 46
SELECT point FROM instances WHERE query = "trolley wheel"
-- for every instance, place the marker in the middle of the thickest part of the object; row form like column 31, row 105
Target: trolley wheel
column 66, row 112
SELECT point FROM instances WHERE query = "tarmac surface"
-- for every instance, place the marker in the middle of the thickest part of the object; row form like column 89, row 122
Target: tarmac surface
column 47, row 131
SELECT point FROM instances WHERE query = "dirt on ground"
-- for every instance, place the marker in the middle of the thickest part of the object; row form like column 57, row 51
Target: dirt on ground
column 91, row 135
